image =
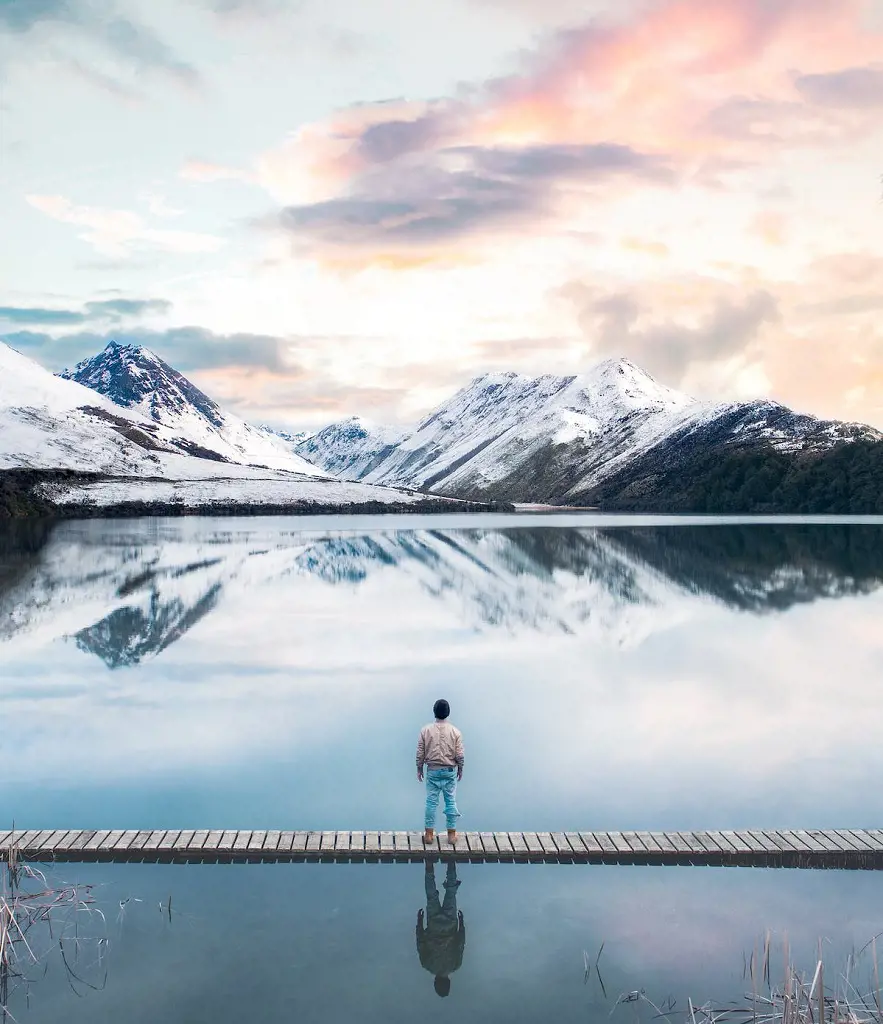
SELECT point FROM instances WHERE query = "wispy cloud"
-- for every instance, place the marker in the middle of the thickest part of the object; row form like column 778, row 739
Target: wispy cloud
column 118, row 232
column 113, row 310
column 130, row 43
column 462, row 191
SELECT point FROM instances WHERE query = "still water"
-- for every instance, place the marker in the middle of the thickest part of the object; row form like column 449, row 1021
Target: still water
column 608, row 673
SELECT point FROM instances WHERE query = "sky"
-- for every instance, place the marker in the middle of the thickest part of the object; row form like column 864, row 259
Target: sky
column 318, row 208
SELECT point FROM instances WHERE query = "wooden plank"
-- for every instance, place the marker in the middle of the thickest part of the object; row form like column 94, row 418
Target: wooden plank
column 4, row 838
column 80, row 840
column 649, row 842
column 605, row 842
column 576, row 845
column 126, row 839
column 769, row 845
column 415, row 843
column 34, row 838
column 665, row 845
column 504, row 845
column 489, row 843
column 256, row 841
column 591, row 843
column 738, row 844
column 534, row 846
column 704, row 841
column 869, row 839
column 286, row 841
column 155, row 839
column 95, row 840
column 243, row 838
column 677, row 840
column 228, row 839
column 372, row 843
column 780, row 841
column 272, row 840
column 140, row 840
column 387, row 843
column 751, row 842
column 46, row 841
column 717, row 843
column 563, row 849
column 473, row 843
column 183, row 840
column 326, row 841
column 357, row 842
column 314, row 842
column 875, row 834
column 849, row 839
column 214, row 839
column 198, row 839
column 111, row 839
column 619, row 842
column 826, row 840
column 635, row 844
column 519, row 846
column 723, row 844
column 61, row 843
column 400, row 842
column 804, row 842
column 169, row 840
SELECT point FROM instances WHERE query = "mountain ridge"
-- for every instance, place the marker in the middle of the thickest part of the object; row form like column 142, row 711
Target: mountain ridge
column 554, row 439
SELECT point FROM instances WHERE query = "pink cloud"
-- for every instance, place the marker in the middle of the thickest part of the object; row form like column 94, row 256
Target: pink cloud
column 690, row 88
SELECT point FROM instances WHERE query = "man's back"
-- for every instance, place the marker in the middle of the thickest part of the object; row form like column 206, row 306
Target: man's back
column 441, row 744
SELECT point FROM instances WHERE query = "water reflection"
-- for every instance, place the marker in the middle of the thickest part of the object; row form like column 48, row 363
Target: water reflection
column 441, row 933
column 319, row 943
column 127, row 592
column 625, row 678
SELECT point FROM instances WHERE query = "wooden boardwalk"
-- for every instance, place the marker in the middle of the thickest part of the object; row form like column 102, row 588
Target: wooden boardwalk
column 838, row 848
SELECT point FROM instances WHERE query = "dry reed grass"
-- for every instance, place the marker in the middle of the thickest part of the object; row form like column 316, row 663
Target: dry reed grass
column 822, row 995
column 37, row 918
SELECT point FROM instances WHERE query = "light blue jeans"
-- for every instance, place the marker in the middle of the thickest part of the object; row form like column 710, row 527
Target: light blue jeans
column 441, row 781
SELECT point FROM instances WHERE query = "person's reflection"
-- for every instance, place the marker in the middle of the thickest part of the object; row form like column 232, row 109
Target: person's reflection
column 441, row 941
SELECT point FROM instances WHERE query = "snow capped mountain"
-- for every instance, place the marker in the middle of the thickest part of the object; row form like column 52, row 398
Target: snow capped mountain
column 135, row 378
column 550, row 439
column 49, row 423
column 290, row 438
column 66, row 448
column 352, row 448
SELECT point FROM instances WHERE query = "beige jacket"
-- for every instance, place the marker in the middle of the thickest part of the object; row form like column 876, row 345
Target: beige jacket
column 440, row 746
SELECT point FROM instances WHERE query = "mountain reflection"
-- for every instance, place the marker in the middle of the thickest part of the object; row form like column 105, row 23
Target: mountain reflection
column 125, row 592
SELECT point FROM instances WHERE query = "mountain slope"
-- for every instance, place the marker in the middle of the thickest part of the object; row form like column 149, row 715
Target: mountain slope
column 49, row 423
column 137, row 379
column 550, row 439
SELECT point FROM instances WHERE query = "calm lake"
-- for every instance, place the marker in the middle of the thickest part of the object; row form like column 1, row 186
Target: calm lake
column 607, row 673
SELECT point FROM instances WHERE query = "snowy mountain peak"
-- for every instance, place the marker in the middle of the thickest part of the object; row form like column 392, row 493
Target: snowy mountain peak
column 630, row 387
column 136, row 378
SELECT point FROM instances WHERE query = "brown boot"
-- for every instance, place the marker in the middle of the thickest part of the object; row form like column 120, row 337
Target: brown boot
column 428, row 836
column 452, row 836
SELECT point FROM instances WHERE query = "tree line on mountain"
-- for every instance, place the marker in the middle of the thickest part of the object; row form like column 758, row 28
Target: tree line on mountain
column 846, row 479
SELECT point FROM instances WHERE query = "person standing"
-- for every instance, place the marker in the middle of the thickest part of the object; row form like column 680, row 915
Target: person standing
column 440, row 753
